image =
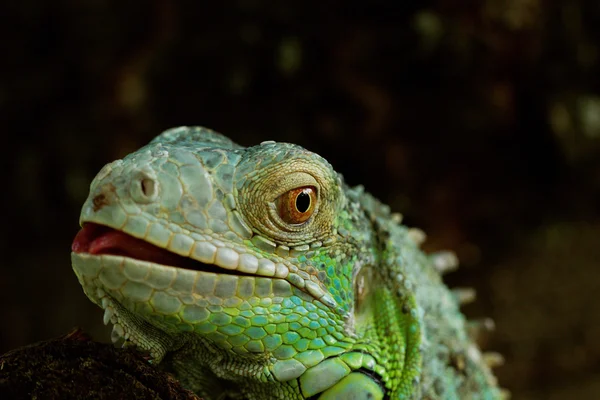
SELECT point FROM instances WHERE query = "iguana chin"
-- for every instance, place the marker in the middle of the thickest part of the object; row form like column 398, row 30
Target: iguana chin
column 257, row 273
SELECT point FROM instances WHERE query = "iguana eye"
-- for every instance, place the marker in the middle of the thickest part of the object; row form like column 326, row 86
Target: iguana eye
column 297, row 205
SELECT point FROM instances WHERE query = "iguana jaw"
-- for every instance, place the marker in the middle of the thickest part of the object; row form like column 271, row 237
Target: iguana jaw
column 186, row 250
column 156, row 307
column 170, row 297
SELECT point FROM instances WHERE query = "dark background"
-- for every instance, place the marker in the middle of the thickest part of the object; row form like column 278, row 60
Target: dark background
column 479, row 121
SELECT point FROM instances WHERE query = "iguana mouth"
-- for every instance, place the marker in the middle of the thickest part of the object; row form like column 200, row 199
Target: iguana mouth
column 96, row 239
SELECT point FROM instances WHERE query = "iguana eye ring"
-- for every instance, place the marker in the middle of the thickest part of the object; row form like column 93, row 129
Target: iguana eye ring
column 296, row 206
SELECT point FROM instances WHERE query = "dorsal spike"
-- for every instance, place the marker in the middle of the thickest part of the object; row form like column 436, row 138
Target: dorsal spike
column 464, row 295
column 476, row 328
column 444, row 261
column 397, row 218
column 417, row 236
column 493, row 359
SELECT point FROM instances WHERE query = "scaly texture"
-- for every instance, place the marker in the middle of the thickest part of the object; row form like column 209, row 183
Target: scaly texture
column 257, row 273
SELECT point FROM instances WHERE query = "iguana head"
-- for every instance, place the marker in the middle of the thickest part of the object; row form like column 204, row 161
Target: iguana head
column 251, row 251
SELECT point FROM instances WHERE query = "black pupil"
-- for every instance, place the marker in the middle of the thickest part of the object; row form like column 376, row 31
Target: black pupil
column 303, row 202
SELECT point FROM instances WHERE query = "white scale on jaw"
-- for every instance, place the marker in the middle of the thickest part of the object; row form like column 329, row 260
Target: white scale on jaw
column 122, row 331
column 110, row 316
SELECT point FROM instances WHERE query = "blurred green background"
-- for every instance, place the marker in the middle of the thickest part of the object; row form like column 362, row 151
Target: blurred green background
column 478, row 120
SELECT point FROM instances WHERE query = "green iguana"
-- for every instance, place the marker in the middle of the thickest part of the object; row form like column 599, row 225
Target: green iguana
column 257, row 273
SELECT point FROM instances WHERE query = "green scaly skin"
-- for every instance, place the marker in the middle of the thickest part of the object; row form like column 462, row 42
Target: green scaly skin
column 344, row 304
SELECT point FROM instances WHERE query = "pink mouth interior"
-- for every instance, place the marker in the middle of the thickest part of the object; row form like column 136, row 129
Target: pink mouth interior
column 97, row 239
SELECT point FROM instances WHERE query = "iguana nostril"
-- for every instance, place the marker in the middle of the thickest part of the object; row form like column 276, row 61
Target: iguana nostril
column 148, row 187
column 144, row 188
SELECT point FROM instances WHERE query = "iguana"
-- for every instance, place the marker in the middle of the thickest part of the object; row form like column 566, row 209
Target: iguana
column 257, row 273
